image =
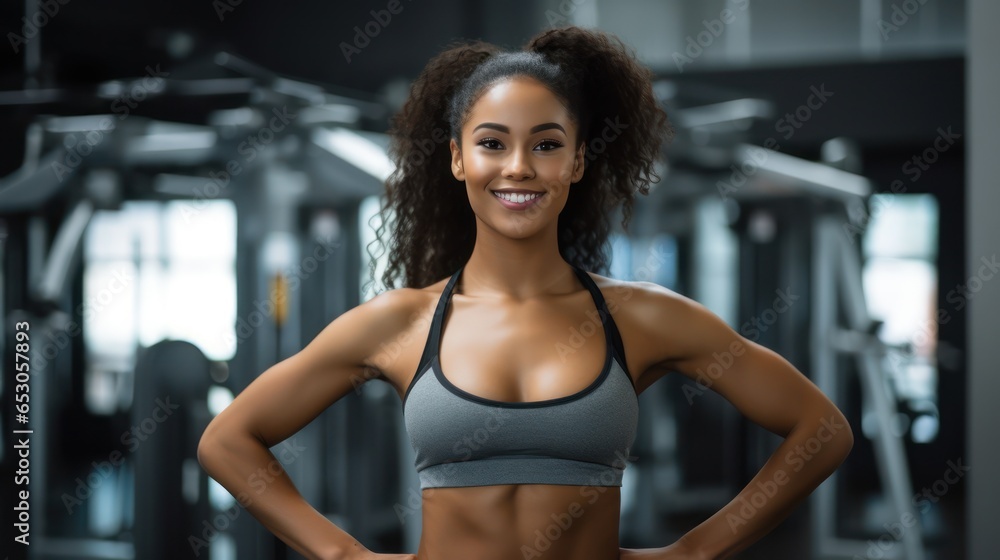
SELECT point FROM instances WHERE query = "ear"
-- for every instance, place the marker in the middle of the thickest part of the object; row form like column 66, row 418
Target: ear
column 456, row 161
column 578, row 161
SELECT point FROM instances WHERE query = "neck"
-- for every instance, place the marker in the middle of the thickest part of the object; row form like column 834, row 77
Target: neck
column 504, row 267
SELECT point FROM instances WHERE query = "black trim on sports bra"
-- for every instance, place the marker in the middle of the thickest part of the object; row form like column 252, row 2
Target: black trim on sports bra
column 430, row 359
column 608, row 324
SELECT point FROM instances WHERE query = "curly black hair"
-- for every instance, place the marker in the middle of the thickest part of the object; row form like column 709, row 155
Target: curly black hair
column 606, row 90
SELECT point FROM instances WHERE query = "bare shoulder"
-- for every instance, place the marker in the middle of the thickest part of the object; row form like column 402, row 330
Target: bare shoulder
column 393, row 312
column 647, row 303
column 398, row 321
column 396, row 304
column 402, row 306
column 659, row 326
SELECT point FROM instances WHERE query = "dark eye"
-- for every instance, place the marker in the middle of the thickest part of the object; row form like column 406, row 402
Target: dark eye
column 551, row 143
column 486, row 141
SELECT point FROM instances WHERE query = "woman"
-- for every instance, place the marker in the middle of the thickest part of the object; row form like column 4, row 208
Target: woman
column 519, row 372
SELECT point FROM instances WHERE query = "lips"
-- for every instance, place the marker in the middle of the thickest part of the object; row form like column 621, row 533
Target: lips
column 514, row 205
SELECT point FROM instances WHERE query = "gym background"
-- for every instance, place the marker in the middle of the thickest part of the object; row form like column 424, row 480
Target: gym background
column 165, row 166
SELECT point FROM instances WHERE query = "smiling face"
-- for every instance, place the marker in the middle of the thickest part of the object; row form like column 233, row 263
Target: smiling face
column 518, row 142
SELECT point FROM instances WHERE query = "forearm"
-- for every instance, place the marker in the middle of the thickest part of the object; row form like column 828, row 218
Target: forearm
column 810, row 453
column 255, row 477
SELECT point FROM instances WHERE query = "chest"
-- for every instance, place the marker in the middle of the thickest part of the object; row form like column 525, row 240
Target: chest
column 525, row 352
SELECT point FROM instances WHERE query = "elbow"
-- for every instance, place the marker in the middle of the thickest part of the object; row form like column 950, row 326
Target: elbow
column 848, row 439
column 209, row 445
column 205, row 448
column 828, row 433
column 218, row 444
column 843, row 436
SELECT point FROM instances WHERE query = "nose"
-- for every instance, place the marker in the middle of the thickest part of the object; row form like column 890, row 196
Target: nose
column 518, row 166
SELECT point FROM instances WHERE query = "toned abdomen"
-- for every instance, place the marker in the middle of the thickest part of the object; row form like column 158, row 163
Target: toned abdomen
column 525, row 521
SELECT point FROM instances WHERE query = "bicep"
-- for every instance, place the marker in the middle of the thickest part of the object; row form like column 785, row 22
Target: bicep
column 759, row 382
column 290, row 394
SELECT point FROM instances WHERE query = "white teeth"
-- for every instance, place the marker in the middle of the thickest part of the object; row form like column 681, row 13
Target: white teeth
column 518, row 197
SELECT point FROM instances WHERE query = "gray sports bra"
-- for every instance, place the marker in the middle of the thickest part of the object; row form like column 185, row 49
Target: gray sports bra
column 461, row 439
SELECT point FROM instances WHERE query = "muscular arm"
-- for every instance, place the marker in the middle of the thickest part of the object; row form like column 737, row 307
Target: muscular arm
column 769, row 391
column 234, row 449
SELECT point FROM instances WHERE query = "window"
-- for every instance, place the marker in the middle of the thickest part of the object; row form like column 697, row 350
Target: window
column 900, row 283
column 155, row 271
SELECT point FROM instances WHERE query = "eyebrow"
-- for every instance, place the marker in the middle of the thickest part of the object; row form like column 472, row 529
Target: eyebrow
column 534, row 129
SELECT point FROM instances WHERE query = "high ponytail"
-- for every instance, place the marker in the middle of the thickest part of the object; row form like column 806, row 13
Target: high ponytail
column 609, row 95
